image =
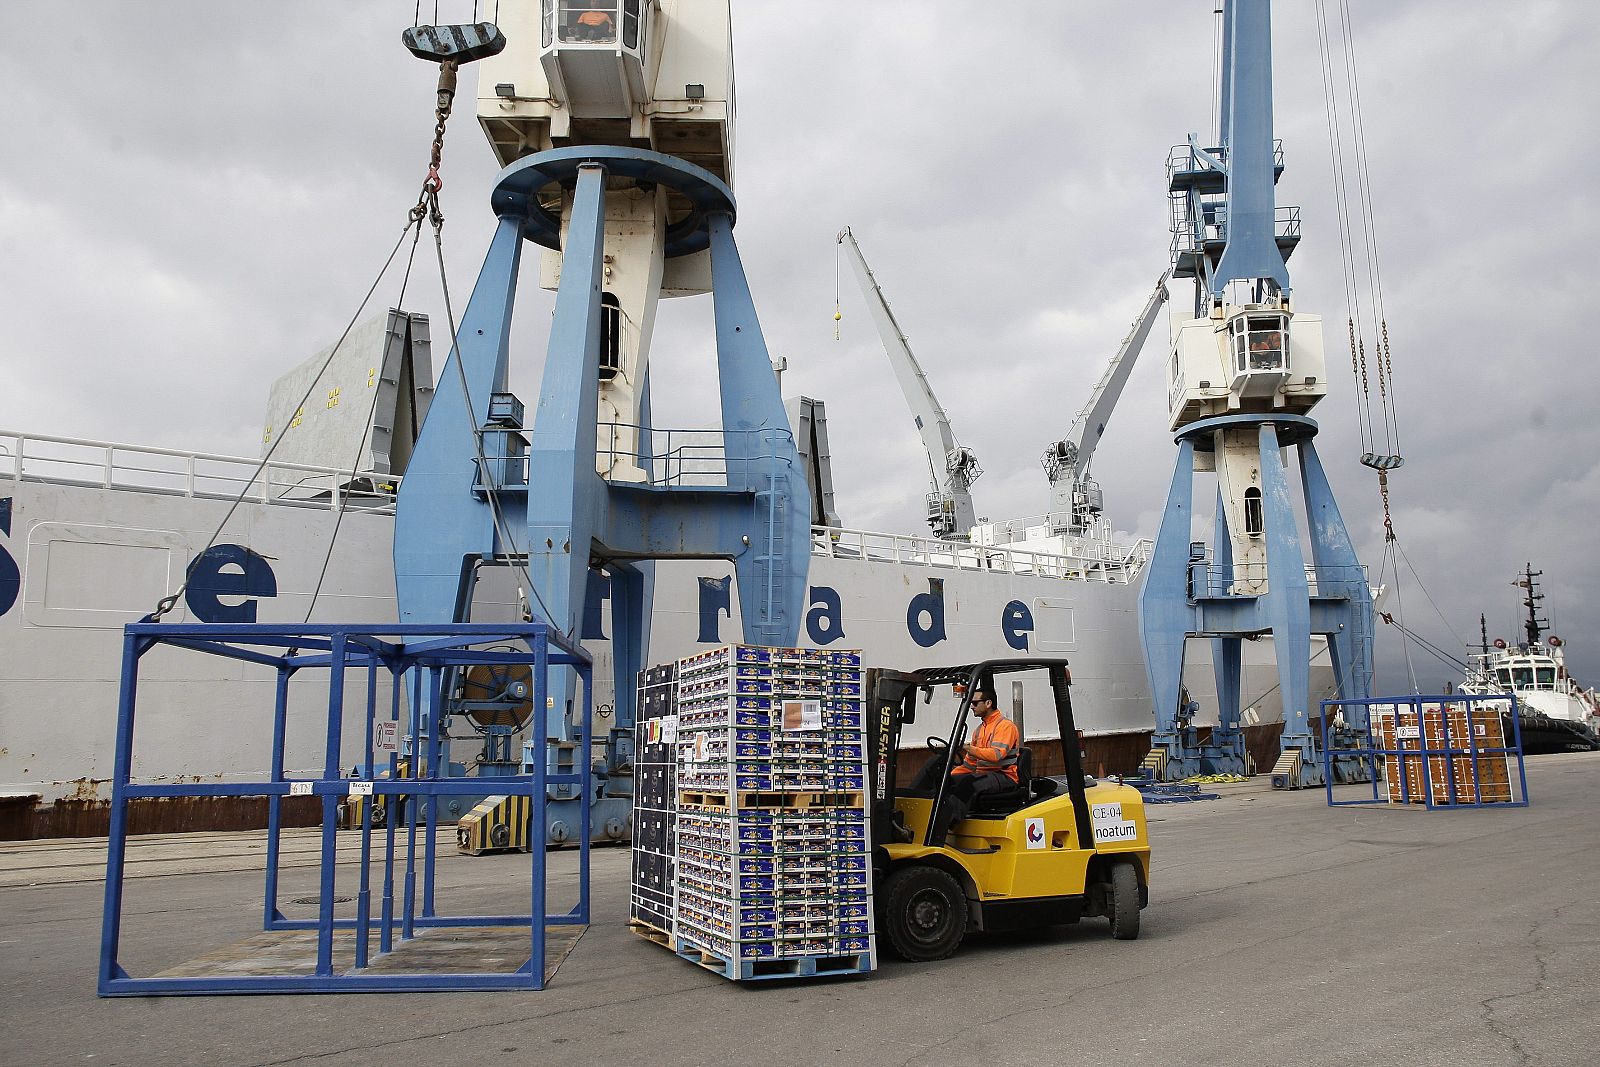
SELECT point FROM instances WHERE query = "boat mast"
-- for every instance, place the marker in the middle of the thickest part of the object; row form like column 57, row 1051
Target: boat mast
column 1535, row 625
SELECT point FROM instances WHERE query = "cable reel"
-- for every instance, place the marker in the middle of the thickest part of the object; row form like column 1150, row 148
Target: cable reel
column 496, row 695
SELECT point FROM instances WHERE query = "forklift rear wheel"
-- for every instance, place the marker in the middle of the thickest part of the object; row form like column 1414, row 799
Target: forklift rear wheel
column 1124, row 902
column 925, row 913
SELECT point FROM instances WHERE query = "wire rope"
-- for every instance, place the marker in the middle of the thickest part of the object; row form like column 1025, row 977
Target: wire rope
column 355, row 463
column 166, row 603
column 1426, row 595
column 1352, row 293
column 515, row 556
column 1370, row 234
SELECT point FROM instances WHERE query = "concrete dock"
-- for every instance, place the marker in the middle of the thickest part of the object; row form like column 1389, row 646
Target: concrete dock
column 1280, row 931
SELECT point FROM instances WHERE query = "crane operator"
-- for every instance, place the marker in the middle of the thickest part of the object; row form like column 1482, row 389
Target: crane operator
column 988, row 765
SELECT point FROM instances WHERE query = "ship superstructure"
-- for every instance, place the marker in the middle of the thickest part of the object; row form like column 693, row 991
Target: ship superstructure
column 1557, row 712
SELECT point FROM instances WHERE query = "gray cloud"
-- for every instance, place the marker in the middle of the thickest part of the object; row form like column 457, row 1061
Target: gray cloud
column 194, row 200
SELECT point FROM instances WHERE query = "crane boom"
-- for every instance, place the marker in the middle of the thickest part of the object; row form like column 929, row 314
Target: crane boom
column 1076, row 499
column 952, row 468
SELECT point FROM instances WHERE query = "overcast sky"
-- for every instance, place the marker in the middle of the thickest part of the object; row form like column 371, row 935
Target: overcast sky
column 195, row 196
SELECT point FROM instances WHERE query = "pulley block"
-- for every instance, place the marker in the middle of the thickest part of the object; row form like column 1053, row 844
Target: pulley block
column 454, row 44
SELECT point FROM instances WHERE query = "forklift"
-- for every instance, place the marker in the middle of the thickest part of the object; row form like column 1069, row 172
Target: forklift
column 1047, row 852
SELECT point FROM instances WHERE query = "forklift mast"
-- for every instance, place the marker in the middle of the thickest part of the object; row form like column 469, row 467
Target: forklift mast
column 892, row 697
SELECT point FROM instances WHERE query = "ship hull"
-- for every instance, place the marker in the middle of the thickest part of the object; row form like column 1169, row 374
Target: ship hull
column 89, row 559
column 1542, row 734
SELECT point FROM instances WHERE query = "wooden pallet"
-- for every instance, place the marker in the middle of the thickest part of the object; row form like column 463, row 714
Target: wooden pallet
column 650, row 932
column 768, row 968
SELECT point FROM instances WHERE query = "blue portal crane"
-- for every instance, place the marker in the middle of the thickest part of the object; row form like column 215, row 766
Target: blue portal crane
column 579, row 495
column 1243, row 373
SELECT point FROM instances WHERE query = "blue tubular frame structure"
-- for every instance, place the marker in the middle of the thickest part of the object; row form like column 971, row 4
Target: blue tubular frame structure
column 1452, row 750
column 418, row 654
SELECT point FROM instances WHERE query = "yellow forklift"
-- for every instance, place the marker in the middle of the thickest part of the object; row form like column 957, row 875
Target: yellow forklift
column 1047, row 852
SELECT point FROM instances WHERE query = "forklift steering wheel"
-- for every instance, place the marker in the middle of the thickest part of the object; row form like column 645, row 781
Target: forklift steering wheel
column 938, row 744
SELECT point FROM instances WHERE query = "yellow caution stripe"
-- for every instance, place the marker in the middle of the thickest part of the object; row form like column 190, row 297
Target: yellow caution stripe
column 496, row 824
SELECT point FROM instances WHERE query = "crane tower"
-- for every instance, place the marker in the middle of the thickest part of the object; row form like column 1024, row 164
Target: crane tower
column 613, row 121
column 1243, row 373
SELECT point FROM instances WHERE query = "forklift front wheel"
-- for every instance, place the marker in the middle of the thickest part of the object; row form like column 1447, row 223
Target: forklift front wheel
column 1124, row 902
column 925, row 913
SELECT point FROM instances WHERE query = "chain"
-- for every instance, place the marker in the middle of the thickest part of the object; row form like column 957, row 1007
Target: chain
column 428, row 198
column 1388, row 364
column 1355, row 368
column 1383, row 491
column 1383, row 386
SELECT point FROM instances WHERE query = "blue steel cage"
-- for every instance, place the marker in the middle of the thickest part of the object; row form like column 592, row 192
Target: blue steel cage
column 417, row 660
column 1453, row 749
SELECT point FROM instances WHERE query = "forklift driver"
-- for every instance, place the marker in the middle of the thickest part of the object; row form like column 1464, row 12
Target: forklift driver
column 988, row 764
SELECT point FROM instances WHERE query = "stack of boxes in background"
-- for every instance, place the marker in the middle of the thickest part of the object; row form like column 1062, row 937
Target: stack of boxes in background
column 655, row 800
column 773, row 862
column 1450, row 761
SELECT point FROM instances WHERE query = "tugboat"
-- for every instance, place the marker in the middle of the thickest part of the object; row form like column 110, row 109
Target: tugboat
column 1555, row 712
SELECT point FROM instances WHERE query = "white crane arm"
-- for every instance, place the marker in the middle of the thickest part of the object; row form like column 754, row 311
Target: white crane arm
column 930, row 417
column 1087, row 428
column 953, row 468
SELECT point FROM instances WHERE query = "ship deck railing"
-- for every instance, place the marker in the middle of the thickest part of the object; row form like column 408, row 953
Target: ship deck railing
column 1109, row 563
column 174, row 472
column 688, row 459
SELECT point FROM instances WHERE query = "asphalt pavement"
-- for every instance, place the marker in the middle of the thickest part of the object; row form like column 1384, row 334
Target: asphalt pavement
column 1280, row 931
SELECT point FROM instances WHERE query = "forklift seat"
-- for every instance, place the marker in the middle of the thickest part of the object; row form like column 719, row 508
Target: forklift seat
column 1006, row 801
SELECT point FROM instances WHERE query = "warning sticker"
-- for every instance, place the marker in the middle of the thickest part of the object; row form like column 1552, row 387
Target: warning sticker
column 1034, row 832
column 1109, row 825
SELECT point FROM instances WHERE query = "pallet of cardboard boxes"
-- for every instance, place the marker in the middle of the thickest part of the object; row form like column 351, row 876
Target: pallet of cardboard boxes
column 771, row 858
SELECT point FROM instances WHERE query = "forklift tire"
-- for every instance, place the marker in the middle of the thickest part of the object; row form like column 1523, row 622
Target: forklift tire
column 1124, row 902
column 924, row 913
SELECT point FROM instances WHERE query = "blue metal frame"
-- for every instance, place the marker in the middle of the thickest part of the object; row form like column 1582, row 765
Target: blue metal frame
column 563, row 518
column 1451, row 750
column 423, row 654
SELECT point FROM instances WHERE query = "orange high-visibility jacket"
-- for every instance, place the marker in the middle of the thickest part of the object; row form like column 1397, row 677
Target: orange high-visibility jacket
column 993, row 748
